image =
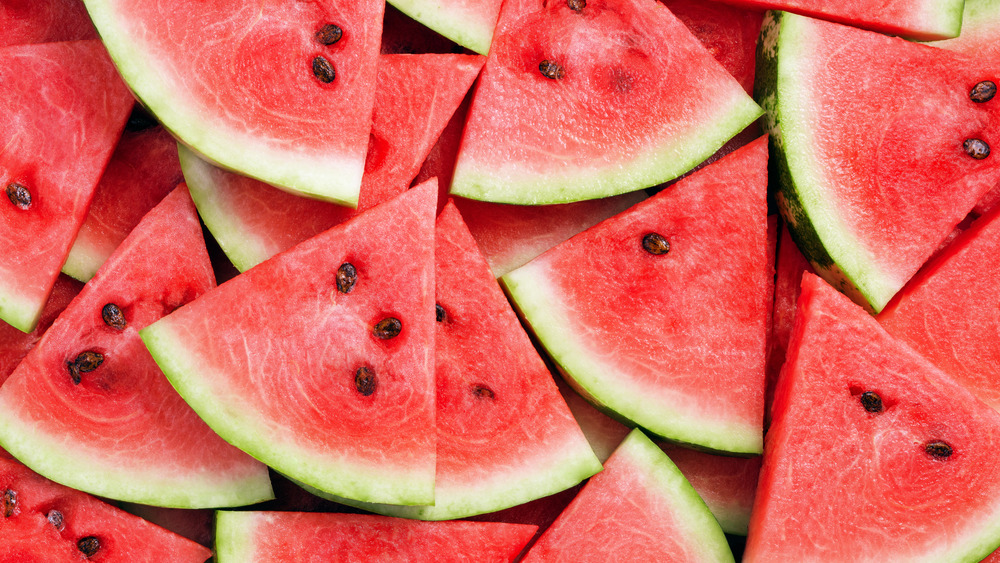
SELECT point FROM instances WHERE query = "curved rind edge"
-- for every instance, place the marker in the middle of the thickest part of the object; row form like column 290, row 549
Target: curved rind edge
column 447, row 23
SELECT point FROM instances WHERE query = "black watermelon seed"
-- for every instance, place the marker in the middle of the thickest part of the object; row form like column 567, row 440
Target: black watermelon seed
column 329, row 34
column 939, row 449
column 139, row 119
column 9, row 502
column 364, row 381
column 19, row 195
column 577, row 5
column 655, row 244
column 387, row 328
column 56, row 519
column 871, row 401
column 983, row 92
column 439, row 313
column 483, row 392
column 551, row 70
column 113, row 316
column 86, row 362
column 976, row 148
column 89, row 546
column 347, row 276
column 323, row 70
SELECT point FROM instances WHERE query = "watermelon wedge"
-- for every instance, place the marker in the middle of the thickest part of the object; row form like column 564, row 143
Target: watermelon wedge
column 872, row 452
column 869, row 196
column 689, row 266
column 88, row 407
column 64, row 108
column 340, row 328
column 266, row 537
column 281, row 92
column 616, row 98
column 43, row 21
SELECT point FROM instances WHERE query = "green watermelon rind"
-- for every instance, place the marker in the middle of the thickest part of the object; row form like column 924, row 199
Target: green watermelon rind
column 450, row 22
column 674, row 156
column 594, row 379
column 84, row 259
column 331, row 177
column 194, row 381
column 234, row 533
column 815, row 226
column 18, row 310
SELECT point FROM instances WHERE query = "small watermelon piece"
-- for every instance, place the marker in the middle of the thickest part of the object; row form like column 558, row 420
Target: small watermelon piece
column 15, row 345
column 873, row 452
column 64, row 109
column 468, row 23
column 572, row 106
column 43, row 21
column 869, row 196
column 265, row 537
column 319, row 361
column 271, row 91
column 88, row 407
column 640, row 508
column 45, row 522
column 691, row 267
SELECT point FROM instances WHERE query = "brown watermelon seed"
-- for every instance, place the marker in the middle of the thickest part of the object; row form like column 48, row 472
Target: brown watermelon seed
column 387, row 328
column 976, row 148
column 9, row 502
column 364, row 381
column 329, row 34
column 983, row 92
column 86, row 362
column 551, row 70
column 56, row 519
column 872, row 402
column 113, row 316
column 323, row 70
column 347, row 276
column 19, row 195
column 439, row 313
column 939, row 449
column 483, row 392
column 89, row 546
column 655, row 244
column 577, row 5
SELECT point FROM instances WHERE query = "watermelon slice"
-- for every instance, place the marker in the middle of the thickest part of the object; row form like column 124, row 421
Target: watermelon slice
column 265, row 537
column 45, row 522
column 64, row 109
column 873, row 452
column 690, row 266
column 281, row 92
column 15, row 345
column 870, row 195
column 43, row 21
column 88, row 407
column 613, row 99
column 657, row 516
column 340, row 327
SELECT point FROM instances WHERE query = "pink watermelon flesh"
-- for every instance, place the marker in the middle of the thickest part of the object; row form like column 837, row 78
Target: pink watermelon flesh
column 15, row 345
column 43, row 21
column 790, row 266
column 112, row 425
column 264, row 537
column 64, row 111
column 142, row 171
column 356, row 411
column 44, row 522
column 640, row 508
column 847, row 473
column 710, row 291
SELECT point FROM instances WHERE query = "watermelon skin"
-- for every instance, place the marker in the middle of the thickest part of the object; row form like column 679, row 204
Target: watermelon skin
column 263, row 537
column 468, row 23
column 27, row 22
column 122, row 432
column 323, row 431
column 868, row 199
column 15, row 345
column 838, row 482
column 661, row 378
column 72, row 84
column 278, row 122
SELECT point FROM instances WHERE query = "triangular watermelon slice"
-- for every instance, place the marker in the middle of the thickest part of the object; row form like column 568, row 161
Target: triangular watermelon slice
column 617, row 97
column 88, row 407
column 64, row 107
column 319, row 361
column 274, row 537
column 660, row 313
column 281, row 92
column 873, row 452
column 43, row 21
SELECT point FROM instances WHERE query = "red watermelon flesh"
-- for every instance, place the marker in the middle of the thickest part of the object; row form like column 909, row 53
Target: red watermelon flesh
column 790, row 266
column 15, row 345
column 44, row 522
column 195, row 524
column 142, row 171
column 265, row 537
column 64, row 111
column 340, row 327
column 872, row 450
column 43, row 21
column 440, row 161
column 111, row 424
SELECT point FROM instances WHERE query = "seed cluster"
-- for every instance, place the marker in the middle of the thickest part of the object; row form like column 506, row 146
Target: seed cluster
column 322, row 68
column 86, row 362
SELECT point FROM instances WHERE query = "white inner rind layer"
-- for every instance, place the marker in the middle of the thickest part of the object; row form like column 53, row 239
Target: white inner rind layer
column 661, row 411
column 19, row 310
column 221, row 407
column 234, row 534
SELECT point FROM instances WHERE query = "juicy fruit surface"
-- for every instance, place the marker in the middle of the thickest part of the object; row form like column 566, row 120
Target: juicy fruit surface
column 15, row 345
column 42, row 21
